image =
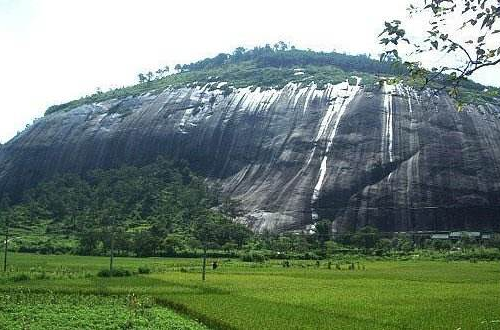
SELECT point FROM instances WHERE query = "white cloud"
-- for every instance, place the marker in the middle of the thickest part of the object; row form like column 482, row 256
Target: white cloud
column 57, row 50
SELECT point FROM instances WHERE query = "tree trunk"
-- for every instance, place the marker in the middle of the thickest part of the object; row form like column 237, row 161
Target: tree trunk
column 204, row 269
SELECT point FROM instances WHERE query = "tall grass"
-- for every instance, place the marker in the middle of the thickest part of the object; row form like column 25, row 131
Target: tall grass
column 408, row 294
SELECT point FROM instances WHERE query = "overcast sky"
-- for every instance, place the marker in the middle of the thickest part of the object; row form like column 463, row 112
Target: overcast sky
column 53, row 51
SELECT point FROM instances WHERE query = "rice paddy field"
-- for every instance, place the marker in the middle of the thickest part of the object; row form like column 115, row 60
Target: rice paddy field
column 63, row 292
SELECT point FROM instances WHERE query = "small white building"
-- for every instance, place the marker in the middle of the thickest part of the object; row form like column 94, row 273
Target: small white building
column 460, row 234
column 440, row 236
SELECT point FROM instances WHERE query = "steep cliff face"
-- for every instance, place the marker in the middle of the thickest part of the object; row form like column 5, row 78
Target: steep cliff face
column 389, row 157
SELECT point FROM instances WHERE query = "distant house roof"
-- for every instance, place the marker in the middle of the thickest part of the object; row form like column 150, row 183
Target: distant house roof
column 440, row 236
column 456, row 234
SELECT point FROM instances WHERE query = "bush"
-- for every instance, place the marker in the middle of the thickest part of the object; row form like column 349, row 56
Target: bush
column 20, row 277
column 42, row 276
column 253, row 256
column 114, row 273
column 143, row 270
column 311, row 256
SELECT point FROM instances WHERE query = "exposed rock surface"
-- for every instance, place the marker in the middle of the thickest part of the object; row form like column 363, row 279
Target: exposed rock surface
column 389, row 157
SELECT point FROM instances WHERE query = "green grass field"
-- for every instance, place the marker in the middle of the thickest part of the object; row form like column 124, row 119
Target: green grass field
column 64, row 291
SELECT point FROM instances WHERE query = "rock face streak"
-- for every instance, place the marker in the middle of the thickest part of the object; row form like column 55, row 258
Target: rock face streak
column 389, row 157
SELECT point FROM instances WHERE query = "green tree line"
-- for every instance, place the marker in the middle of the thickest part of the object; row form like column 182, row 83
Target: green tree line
column 158, row 209
column 163, row 209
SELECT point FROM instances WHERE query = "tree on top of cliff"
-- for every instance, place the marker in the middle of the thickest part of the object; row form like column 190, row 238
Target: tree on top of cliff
column 283, row 56
column 466, row 30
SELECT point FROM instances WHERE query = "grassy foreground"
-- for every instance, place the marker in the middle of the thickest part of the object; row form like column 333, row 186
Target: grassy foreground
column 385, row 295
column 49, row 310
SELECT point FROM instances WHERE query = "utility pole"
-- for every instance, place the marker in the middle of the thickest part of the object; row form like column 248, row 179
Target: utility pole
column 3, row 213
column 6, row 245
column 112, row 247
column 204, row 269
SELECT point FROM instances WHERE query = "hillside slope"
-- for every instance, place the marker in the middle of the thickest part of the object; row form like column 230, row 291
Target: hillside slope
column 357, row 153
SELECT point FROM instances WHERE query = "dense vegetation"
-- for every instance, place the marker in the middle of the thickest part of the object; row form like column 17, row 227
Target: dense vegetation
column 363, row 280
column 158, row 209
column 163, row 209
column 360, row 294
column 49, row 310
column 261, row 66
column 268, row 67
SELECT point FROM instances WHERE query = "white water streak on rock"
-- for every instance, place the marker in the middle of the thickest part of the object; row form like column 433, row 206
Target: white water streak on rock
column 388, row 138
column 310, row 157
column 258, row 100
column 298, row 96
column 318, row 93
column 333, row 91
column 274, row 95
column 184, row 119
column 318, row 186
column 343, row 94
column 408, row 94
column 312, row 88
column 221, row 84
column 341, row 107
column 252, row 100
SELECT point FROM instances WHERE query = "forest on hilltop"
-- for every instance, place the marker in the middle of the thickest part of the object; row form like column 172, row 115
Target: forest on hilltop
column 268, row 67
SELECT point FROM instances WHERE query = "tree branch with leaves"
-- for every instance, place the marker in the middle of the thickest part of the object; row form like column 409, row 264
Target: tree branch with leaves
column 468, row 30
